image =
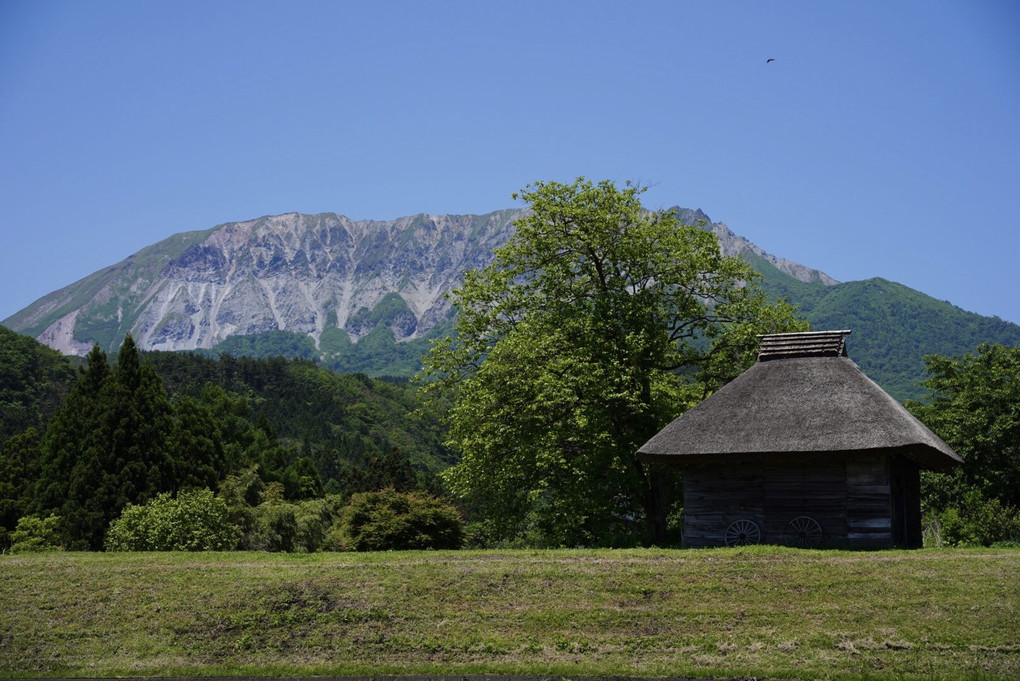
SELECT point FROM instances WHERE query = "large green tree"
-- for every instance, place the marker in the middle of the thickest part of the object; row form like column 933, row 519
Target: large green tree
column 974, row 405
column 596, row 324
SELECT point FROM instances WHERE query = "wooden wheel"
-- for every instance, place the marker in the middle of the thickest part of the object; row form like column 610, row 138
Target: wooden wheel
column 802, row 532
column 742, row 533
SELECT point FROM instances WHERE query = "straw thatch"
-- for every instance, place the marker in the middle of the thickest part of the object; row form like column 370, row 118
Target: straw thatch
column 802, row 396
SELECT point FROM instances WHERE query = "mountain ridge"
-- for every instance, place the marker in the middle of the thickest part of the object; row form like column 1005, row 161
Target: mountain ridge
column 291, row 272
column 367, row 295
column 283, row 272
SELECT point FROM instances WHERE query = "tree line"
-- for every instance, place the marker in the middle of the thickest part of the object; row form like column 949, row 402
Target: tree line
column 86, row 443
column 595, row 325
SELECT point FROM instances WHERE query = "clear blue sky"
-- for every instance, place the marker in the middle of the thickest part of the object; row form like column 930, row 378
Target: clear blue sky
column 884, row 140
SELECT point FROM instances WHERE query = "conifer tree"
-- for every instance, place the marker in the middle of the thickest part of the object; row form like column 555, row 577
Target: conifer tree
column 19, row 469
column 107, row 446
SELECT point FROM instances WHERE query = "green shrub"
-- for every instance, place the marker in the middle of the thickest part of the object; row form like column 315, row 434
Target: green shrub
column 36, row 534
column 975, row 521
column 1006, row 544
column 313, row 520
column 275, row 528
column 194, row 521
column 391, row 520
column 292, row 527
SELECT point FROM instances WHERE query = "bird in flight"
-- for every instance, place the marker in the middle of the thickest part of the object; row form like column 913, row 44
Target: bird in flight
column 770, row 60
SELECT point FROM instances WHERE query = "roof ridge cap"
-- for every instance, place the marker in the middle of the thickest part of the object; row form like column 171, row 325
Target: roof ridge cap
column 802, row 344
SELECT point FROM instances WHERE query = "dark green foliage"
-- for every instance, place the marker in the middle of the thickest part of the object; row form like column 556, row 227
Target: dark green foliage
column 195, row 520
column 70, row 447
column 275, row 528
column 377, row 353
column 301, row 480
column 974, row 405
column 33, row 380
column 164, row 422
column 291, row 527
column 196, row 444
column 269, row 344
column 972, row 520
column 391, row 470
column 19, row 470
column 266, row 522
column 106, row 447
column 339, row 422
column 391, row 521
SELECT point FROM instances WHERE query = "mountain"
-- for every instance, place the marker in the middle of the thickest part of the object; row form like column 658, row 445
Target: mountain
column 307, row 274
column 733, row 245
column 893, row 326
column 367, row 295
column 293, row 272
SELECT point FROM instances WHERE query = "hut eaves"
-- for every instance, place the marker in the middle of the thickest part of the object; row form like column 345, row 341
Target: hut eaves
column 803, row 396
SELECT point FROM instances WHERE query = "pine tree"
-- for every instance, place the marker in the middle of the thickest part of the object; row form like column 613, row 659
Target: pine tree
column 107, row 446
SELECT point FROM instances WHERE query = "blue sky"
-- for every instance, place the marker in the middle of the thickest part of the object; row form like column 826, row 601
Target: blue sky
column 884, row 140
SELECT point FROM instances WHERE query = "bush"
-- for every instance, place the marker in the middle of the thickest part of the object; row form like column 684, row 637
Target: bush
column 36, row 534
column 976, row 521
column 281, row 526
column 391, row 520
column 195, row 521
column 313, row 519
column 274, row 529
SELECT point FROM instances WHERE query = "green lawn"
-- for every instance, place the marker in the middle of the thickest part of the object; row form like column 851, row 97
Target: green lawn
column 761, row 612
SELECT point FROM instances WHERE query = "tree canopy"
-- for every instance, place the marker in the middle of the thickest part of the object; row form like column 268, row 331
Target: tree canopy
column 974, row 405
column 596, row 324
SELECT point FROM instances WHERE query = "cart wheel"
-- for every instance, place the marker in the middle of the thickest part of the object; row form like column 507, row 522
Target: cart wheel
column 742, row 533
column 803, row 532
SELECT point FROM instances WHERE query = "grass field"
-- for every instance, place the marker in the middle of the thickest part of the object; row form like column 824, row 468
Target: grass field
column 769, row 612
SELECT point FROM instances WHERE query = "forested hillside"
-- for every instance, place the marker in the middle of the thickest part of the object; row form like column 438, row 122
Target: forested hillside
column 377, row 353
column 82, row 444
column 894, row 327
column 33, row 379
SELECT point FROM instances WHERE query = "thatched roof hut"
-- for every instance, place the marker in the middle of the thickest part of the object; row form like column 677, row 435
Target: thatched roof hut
column 802, row 432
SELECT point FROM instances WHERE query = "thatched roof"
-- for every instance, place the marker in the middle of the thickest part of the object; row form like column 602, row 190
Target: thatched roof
column 802, row 396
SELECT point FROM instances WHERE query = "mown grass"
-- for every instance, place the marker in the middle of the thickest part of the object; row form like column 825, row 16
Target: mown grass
column 768, row 612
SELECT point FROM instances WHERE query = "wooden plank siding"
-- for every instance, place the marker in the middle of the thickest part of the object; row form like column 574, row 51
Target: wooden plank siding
column 869, row 505
column 906, row 497
column 705, row 518
column 851, row 499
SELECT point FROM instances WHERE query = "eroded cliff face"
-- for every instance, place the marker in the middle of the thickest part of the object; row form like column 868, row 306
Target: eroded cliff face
column 305, row 273
column 292, row 272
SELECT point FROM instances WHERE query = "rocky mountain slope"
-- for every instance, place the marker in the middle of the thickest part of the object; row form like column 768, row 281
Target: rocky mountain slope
column 365, row 296
column 293, row 272
column 301, row 273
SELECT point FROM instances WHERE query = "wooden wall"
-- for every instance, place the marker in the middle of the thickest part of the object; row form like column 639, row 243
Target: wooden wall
column 869, row 503
column 906, row 516
column 851, row 499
